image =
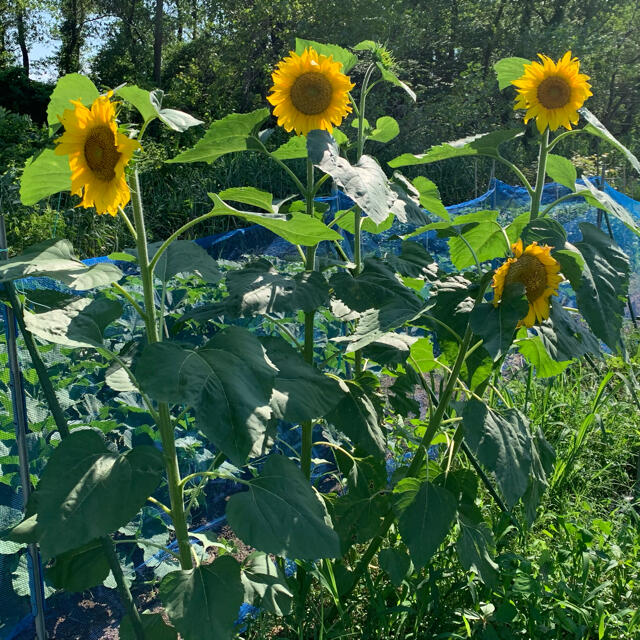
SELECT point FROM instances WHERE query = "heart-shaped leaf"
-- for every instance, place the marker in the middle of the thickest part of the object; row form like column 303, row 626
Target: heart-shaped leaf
column 281, row 514
column 203, row 603
column 54, row 258
column 87, row 491
column 228, row 382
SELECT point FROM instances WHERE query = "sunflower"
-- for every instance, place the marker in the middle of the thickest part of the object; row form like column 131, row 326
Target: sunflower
column 309, row 92
column 98, row 154
column 552, row 92
column 534, row 268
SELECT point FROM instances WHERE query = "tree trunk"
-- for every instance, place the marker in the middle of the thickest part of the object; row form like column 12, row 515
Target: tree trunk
column 73, row 12
column 22, row 39
column 194, row 19
column 157, row 43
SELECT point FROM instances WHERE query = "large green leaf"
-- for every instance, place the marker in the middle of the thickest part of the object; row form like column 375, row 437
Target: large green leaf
column 282, row 514
column 228, row 382
column 365, row 182
column 356, row 416
column 358, row 513
column 566, row 337
column 390, row 349
column 203, row 603
column 396, row 563
column 140, row 99
column 545, row 231
column 87, row 491
column 497, row 324
column 228, row 135
column 154, row 627
column 486, row 239
column 265, row 584
column 596, row 128
column 387, row 304
column 251, row 196
column 259, row 289
column 300, row 391
column 79, row 569
column 509, row 69
column 502, row 443
column 604, row 201
column 292, row 149
column 44, row 175
column 386, row 129
column 80, row 323
column 55, row 259
column 422, row 355
column 347, row 59
column 473, row 547
column 430, row 197
column 426, row 521
column 345, row 220
column 605, row 280
column 184, row 256
column 534, row 352
column 561, row 170
column 70, row 87
column 413, row 261
column 483, row 144
column 297, row 228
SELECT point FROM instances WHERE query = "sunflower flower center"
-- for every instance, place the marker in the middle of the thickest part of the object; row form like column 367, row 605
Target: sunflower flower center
column 530, row 272
column 311, row 93
column 554, row 92
column 101, row 153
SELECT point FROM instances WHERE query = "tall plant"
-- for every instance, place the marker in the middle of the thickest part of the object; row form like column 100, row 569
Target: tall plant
column 380, row 313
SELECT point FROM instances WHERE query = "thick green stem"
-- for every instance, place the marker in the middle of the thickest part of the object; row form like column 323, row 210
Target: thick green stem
column 542, row 171
column 434, row 425
column 164, row 418
column 63, row 429
column 123, row 590
column 309, row 316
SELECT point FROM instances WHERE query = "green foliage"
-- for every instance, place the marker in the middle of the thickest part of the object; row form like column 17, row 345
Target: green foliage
column 281, row 514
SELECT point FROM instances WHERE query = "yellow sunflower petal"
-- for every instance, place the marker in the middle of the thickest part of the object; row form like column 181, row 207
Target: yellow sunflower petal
column 98, row 154
column 309, row 92
column 538, row 271
column 552, row 92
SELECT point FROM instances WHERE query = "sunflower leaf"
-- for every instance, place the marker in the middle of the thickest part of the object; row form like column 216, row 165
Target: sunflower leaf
column 597, row 129
column 55, row 259
column 509, row 69
column 347, row 59
column 605, row 281
column 497, row 324
column 365, row 182
column 482, row 144
column 604, row 201
column 561, row 170
column 73, row 86
column 486, row 240
column 386, row 129
column 230, row 134
column 44, row 174
column 295, row 227
column 282, row 514
column 534, row 352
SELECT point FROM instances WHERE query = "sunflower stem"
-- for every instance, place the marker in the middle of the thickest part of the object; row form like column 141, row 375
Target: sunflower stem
column 309, row 316
column 357, row 212
column 164, row 418
column 542, row 171
column 434, row 425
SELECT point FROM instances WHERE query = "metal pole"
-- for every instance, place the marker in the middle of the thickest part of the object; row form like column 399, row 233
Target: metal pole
column 20, row 422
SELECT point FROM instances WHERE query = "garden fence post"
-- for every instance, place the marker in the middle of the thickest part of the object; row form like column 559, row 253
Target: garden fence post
column 36, row 580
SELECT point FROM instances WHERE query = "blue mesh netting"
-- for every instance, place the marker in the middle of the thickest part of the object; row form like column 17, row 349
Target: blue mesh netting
column 257, row 241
